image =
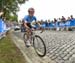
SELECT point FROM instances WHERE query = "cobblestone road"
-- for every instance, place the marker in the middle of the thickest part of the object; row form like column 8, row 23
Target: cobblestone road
column 60, row 45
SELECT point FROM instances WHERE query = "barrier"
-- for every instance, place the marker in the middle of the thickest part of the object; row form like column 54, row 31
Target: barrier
column 68, row 23
column 2, row 29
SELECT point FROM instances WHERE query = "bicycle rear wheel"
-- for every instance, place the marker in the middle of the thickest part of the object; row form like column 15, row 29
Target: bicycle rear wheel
column 39, row 46
column 25, row 37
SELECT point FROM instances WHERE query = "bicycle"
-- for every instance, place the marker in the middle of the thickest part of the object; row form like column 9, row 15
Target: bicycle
column 37, row 42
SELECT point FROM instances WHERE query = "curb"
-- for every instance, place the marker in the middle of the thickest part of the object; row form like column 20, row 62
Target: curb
column 25, row 56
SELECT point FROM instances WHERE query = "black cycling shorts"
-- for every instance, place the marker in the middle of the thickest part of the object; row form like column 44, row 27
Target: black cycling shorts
column 29, row 25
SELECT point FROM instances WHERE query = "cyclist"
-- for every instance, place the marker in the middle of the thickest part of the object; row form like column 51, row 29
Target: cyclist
column 28, row 19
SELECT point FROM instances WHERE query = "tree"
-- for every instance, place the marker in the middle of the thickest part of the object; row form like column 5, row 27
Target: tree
column 10, row 6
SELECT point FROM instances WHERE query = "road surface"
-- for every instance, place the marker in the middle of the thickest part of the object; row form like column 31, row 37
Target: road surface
column 60, row 45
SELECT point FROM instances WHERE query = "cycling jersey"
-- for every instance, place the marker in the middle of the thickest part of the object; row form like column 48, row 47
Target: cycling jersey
column 29, row 19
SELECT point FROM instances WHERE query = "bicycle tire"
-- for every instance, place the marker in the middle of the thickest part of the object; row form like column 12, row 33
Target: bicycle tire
column 24, row 37
column 44, row 53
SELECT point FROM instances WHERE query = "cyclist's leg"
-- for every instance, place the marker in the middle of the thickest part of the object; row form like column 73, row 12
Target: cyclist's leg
column 28, row 32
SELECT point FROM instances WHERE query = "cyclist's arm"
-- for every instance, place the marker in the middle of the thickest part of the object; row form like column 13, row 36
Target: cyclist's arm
column 25, row 24
column 38, row 23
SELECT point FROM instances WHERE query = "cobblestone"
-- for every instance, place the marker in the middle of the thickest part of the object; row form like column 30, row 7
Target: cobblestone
column 60, row 45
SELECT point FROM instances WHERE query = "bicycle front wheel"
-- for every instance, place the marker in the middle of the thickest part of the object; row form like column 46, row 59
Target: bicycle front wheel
column 39, row 46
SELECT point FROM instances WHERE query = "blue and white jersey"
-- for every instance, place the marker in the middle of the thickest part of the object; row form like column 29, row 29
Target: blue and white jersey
column 29, row 19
